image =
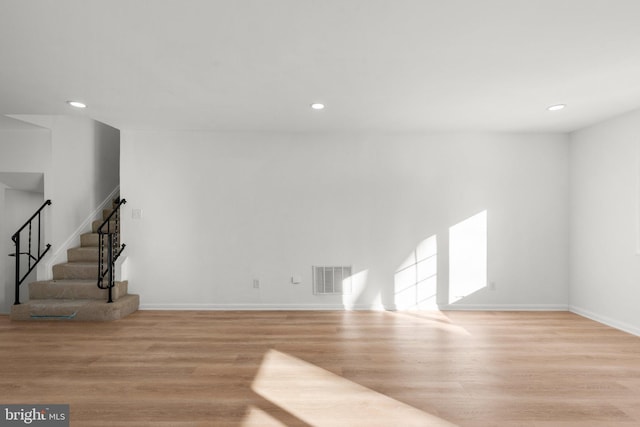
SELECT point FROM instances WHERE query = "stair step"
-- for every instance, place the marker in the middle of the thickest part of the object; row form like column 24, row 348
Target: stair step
column 78, row 310
column 86, row 254
column 106, row 213
column 75, row 270
column 81, row 254
column 90, row 240
column 73, row 293
column 74, row 289
column 97, row 223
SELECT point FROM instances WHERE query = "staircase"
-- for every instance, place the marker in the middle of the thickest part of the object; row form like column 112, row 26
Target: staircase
column 73, row 293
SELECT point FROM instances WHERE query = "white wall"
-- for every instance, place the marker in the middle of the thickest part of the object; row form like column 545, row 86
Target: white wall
column 605, row 218
column 5, row 297
column 84, row 172
column 222, row 209
column 16, row 207
column 25, row 150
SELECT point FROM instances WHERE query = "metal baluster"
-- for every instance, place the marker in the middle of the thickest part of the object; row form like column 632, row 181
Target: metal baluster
column 100, row 255
column 16, row 239
column 29, row 259
column 39, row 228
column 117, row 244
column 110, row 267
column 106, row 266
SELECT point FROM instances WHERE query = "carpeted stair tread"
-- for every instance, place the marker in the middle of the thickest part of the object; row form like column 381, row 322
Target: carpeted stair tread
column 96, row 224
column 75, row 270
column 90, row 240
column 78, row 310
column 85, row 254
column 74, row 289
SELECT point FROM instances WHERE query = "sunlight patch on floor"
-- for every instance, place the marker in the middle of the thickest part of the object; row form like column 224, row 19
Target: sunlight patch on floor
column 256, row 417
column 320, row 398
column 433, row 320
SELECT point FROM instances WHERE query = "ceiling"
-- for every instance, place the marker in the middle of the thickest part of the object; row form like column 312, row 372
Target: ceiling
column 378, row 65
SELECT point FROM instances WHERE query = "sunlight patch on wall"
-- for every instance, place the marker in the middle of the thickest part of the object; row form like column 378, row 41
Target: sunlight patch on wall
column 358, row 283
column 467, row 257
column 318, row 397
column 416, row 279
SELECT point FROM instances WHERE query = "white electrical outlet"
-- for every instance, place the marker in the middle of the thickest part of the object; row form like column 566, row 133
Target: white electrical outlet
column 256, row 284
column 136, row 213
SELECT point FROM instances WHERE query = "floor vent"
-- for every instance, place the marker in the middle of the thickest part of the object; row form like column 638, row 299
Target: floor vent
column 332, row 280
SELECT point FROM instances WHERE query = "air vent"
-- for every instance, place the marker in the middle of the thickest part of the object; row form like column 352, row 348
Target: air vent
column 332, row 280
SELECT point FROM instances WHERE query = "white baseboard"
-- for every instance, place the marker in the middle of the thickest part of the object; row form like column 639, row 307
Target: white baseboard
column 625, row 327
column 505, row 307
column 60, row 255
column 255, row 307
column 340, row 307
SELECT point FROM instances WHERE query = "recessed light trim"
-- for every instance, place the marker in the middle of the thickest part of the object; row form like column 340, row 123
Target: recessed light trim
column 317, row 106
column 556, row 107
column 77, row 104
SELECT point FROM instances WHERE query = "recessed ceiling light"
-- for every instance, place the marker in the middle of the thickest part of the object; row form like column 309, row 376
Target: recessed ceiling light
column 556, row 107
column 317, row 106
column 77, row 104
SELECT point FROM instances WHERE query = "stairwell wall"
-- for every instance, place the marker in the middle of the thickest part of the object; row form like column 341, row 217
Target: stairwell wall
column 80, row 159
column 220, row 210
column 84, row 172
column 24, row 150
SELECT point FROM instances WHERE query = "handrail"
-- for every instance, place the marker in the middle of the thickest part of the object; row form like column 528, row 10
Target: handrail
column 114, row 248
column 32, row 257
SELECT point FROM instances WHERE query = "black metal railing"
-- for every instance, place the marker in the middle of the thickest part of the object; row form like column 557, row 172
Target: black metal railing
column 33, row 257
column 110, row 228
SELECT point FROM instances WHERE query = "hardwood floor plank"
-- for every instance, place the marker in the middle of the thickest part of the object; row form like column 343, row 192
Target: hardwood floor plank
column 233, row 368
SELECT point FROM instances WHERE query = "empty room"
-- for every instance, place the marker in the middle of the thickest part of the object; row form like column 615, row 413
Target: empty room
column 320, row 213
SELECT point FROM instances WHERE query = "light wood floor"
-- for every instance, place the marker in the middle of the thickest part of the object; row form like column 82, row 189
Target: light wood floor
column 327, row 368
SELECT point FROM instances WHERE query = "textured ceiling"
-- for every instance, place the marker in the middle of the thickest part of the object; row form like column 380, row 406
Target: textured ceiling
column 397, row 65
